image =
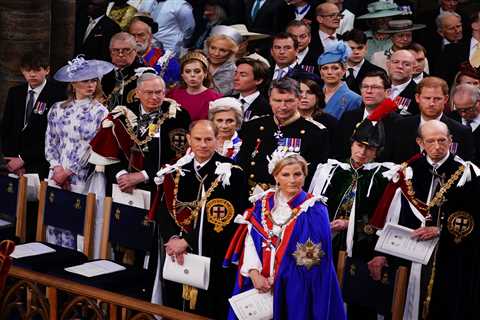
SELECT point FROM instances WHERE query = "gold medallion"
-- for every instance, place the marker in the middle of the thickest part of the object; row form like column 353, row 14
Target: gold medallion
column 219, row 213
column 178, row 140
column 368, row 229
column 308, row 254
column 152, row 129
column 460, row 225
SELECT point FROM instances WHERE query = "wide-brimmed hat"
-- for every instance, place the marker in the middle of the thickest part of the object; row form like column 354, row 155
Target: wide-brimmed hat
column 242, row 29
column 257, row 57
column 396, row 26
column 79, row 69
column 336, row 52
column 381, row 9
column 145, row 18
column 227, row 31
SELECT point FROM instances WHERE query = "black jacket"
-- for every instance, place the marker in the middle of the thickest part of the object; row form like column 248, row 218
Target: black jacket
column 96, row 45
column 28, row 141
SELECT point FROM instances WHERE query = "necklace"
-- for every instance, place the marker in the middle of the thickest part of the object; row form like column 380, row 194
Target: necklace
column 148, row 138
column 196, row 205
column 439, row 197
column 269, row 223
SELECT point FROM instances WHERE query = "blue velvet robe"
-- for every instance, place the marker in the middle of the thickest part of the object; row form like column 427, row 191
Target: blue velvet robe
column 300, row 293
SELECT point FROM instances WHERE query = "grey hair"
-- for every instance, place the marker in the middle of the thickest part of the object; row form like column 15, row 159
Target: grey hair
column 467, row 89
column 436, row 123
column 442, row 16
column 222, row 108
column 124, row 36
column 149, row 76
column 285, row 85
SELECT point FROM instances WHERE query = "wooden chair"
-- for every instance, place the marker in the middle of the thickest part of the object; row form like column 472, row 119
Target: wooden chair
column 13, row 207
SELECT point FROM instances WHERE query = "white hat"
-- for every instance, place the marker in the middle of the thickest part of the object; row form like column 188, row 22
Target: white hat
column 256, row 56
column 242, row 29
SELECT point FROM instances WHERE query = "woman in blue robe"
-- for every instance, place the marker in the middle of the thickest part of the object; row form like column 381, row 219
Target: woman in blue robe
column 283, row 246
column 338, row 96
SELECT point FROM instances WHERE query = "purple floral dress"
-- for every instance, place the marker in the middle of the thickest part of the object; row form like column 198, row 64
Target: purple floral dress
column 69, row 132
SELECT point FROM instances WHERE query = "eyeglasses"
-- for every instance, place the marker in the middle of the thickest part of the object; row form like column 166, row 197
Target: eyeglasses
column 465, row 110
column 121, row 51
column 151, row 93
column 373, row 88
column 332, row 15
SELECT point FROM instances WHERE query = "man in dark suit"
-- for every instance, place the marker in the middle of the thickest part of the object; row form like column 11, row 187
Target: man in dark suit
column 251, row 76
column 374, row 91
column 284, row 52
column 456, row 53
column 306, row 57
column 400, row 66
column 431, row 96
column 267, row 17
column 328, row 19
column 93, row 35
column 357, row 65
column 25, row 118
column 466, row 100
column 304, row 10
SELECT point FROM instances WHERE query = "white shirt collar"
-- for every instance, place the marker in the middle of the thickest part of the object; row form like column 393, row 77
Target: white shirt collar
column 301, row 55
column 199, row 165
column 439, row 163
column 250, row 98
column 325, row 36
column 356, row 68
column 38, row 89
column 397, row 89
column 475, row 123
column 287, row 68
column 418, row 78
column 422, row 120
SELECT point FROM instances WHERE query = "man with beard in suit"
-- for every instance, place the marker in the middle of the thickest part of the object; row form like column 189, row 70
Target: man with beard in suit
column 25, row 117
column 431, row 96
column 374, row 91
column 93, row 36
column 357, row 65
column 203, row 192
column 119, row 84
column 466, row 101
column 251, row 76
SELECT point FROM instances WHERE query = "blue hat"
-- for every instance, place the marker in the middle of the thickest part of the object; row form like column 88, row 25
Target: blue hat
column 337, row 52
column 80, row 69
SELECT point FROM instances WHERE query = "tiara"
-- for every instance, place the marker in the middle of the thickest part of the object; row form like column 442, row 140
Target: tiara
column 195, row 55
column 278, row 155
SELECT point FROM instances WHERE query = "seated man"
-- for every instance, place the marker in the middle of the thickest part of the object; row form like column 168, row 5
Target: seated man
column 164, row 62
column 135, row 144
column 25, row 117
column 202, row 194
column 353, row 190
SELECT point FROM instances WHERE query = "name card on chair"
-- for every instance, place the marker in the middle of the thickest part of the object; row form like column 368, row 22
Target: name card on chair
column 138, row 198
column 195, row 271
column 95, row 268
column 30, row 249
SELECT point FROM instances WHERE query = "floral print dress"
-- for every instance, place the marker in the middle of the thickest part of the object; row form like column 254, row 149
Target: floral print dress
column 67, row 144
column 69, row 131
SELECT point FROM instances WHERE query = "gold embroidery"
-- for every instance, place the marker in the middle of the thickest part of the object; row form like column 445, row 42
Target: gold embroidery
column 460, row 225
column 308, row 254
column 219, row 213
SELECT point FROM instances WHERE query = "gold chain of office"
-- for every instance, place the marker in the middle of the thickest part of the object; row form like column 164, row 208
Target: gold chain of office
column 439, row 196
column 148, row 138
column 196, row 204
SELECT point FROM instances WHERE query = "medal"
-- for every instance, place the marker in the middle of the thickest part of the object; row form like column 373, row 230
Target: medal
column 152, row 129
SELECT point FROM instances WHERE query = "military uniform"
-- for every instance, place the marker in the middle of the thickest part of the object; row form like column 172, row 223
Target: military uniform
column 130, row 141
column 262, row 136
column 450, row 282
column 199, row 208
column 119, row 86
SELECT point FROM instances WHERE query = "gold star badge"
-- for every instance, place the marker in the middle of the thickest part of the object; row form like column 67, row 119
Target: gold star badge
column 308, row 254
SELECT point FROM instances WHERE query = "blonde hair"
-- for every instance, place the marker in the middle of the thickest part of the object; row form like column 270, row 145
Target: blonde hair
column 233, row 46
column 289, row 160
column 98, row 95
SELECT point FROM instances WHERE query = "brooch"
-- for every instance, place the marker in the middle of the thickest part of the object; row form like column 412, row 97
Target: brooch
column 219, row 213
column 308, row 254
